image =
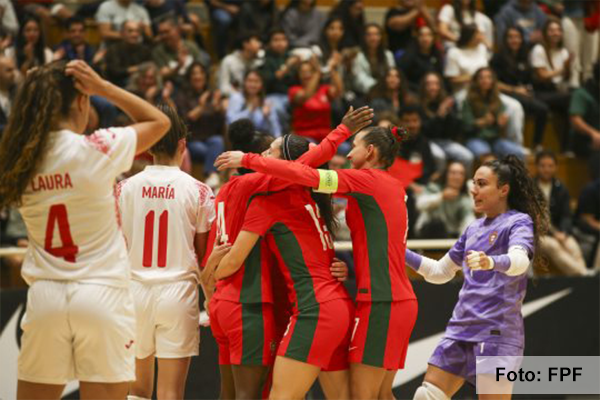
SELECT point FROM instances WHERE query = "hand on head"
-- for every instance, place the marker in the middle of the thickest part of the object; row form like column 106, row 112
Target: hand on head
column 87, row 81
column 229, row 160
column 355, row 120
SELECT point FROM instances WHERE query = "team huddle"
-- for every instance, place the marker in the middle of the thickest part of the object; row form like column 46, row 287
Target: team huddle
column 114, row 271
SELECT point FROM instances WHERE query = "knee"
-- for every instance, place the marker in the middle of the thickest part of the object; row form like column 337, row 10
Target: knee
column 169, row 394
column 362, row 390
column 216, row 141
column 428, row 391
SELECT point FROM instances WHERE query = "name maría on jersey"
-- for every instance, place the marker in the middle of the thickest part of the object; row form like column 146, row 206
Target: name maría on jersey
column 51, row 182
column 160, row 192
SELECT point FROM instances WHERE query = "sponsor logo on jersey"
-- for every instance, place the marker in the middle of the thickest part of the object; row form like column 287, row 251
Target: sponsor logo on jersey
column 493, row 237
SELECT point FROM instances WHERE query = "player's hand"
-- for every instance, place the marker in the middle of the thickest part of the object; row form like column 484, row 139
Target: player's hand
column 229, row 160
column 218, row 253
column 339, row 270
column 355, row 120
column 479, row 261
column 87, row 81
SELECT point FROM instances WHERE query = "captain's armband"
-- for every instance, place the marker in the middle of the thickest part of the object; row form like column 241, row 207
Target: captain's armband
column 328, row 181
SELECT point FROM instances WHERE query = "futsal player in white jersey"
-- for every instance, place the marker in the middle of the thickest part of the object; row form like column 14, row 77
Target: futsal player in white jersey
column 166, row 215
column 79, row 321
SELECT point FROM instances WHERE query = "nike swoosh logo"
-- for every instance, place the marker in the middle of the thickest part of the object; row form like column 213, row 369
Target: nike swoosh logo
column 419, row 352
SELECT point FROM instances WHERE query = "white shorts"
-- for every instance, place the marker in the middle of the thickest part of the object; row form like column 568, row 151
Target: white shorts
column 167, row 315
column 74, row 330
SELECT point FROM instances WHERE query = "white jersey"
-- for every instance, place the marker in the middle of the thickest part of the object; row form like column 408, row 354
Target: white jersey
column 162, row 210
column 70, row 212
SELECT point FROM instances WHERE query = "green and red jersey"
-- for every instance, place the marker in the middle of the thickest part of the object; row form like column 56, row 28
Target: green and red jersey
column 252, row 283
column 376, row 216
column 296, row 234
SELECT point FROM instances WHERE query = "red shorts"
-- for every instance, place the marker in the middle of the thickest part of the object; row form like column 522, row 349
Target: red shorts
column 245, row 333
column 381, row 333
column 320, row 335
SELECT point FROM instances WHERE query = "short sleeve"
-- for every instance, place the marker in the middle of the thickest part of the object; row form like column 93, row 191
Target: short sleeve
column 446, row 14
column 103, row 14
column 452, row 68
column 118, row 144
column 538, row 57
column 206, row 208
column 457, row 252
column 257, row 219
column 521, row 233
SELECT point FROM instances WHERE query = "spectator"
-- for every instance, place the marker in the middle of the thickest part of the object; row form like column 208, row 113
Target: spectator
column 551, row 64
column 173, row 54
column 203, row 112
column 311, row 101
column 235, row 65
column 147, row 83
column 8, row 18
column 250, row 103
column 588, row 223
column 372, row 62
column 113, row 13
column 74, row 47
column 353, row 18
column 462, row 12
column 558, row 246
column 415, row 166
column 302, row 23
column 584, row 112
column 331, row 45
column 469, row 55
column 7, row 89
column 484, row 117
column 422, row 56
column 402, row 20
column 515, row 79
column 223, row 16
column 125, row 57
column 445, row 207
column 441, row 124
column 259, row 16
column 278, row 74
column 522, row 13
column 30, row 46
column 161, row 9
column 391, row 93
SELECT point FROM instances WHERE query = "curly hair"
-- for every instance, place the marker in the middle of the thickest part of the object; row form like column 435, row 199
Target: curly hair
column 45, row 97
column 524, row 196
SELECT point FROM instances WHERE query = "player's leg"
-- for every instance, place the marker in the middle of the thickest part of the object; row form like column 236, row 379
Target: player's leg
column 438, row 384
column 227, row 385
column 335, row 384
column 172, row 374
column 366, row 381
column 385, row 392
column 249, row 380
column 144, row 378
column 292, row 379
column 30, row 390
column 103, row 390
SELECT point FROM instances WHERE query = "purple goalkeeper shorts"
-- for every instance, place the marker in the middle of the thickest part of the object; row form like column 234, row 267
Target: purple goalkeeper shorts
column 459, row 357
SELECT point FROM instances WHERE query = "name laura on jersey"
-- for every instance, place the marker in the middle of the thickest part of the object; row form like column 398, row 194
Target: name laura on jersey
column 51, row 182
column 161, row 192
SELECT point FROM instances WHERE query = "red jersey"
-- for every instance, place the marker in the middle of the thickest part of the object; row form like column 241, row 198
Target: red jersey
column 231, row 205
column 313, row 118
column 376, row 216
column 297, row 235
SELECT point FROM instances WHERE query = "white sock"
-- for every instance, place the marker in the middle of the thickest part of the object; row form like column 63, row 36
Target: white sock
column 131, row 397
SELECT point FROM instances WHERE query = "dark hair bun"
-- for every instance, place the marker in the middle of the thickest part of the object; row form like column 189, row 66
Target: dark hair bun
column 241, row 132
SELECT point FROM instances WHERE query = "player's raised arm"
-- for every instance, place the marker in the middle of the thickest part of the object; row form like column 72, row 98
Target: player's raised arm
column 149, row 123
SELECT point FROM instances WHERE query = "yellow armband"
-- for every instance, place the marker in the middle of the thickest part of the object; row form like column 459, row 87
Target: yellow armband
column 328, row 181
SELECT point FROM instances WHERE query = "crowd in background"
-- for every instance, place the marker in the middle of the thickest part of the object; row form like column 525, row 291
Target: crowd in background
column 462, row 80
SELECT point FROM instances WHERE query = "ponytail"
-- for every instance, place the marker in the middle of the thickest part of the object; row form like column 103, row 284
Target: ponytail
column 44, row 98
column 526, row 197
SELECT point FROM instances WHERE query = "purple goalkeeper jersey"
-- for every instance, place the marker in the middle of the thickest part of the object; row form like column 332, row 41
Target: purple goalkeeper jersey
column 489, row 302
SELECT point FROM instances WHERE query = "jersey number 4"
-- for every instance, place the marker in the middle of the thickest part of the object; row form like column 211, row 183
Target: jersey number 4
column 163, row 230
column 58, row 215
